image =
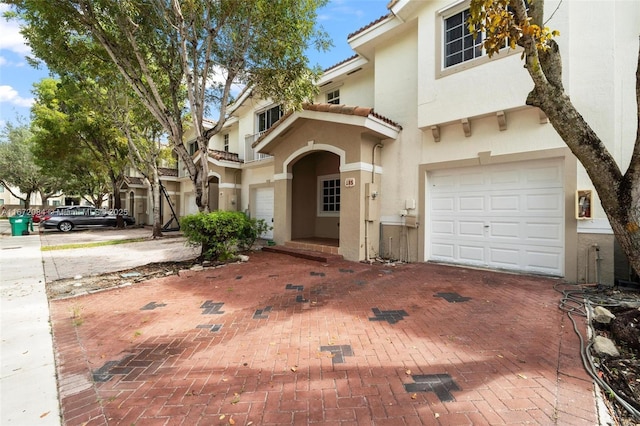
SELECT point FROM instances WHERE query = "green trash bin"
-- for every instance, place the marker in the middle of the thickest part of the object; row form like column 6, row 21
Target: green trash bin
column 20, row 225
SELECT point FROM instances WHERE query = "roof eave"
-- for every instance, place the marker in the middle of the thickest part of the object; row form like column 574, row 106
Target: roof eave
column 377, row 126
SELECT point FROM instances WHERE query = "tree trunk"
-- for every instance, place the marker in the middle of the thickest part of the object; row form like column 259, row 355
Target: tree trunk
column 157, row 200
column 117, row 201
column 27, row 201
column 619, row 193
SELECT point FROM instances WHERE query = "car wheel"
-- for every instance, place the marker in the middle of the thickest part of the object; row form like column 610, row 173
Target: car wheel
column 65, row 226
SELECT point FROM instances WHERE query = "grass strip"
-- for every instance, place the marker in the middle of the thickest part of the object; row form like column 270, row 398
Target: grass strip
column 89, row 245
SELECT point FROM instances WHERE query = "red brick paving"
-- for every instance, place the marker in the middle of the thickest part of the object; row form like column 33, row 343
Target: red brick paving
column 509, row 349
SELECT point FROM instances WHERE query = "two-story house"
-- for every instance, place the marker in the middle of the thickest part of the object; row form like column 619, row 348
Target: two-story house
column 421, row 148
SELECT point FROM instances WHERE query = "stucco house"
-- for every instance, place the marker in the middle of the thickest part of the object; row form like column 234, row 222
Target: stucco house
column 421, row 148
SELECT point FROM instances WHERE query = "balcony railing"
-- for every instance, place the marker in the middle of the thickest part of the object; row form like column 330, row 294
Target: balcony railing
column 251, row 154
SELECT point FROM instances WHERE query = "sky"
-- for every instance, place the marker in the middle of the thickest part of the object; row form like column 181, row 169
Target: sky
column 339, row 18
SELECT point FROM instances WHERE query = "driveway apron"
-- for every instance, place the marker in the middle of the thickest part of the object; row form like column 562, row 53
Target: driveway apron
column 279, row 340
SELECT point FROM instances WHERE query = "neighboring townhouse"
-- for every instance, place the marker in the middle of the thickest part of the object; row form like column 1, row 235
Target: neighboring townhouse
column 136, row 199
column 421, row 148
column 10, row 204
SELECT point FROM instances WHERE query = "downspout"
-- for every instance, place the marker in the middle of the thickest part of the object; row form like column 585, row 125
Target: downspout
column 373, row 161
column 366, row 222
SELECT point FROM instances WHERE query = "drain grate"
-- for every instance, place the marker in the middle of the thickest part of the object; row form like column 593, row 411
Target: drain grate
column 441, row 384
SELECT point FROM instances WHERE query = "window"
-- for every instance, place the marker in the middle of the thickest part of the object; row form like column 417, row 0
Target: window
column 226, row 142
column 193, row 148
column 459, row 43
column 329, row 195
column 268, row 118
column 333, row 97
column 1, row 201
column 1, row 188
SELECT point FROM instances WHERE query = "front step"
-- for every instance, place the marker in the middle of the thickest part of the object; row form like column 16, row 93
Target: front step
column 317, row 256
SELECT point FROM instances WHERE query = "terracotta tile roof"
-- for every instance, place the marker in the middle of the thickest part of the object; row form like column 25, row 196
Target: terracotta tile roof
column 224, row 155
column 349, row 110
column 332, row 108
column 380, row 19
column 166, row 171
column 133, row 180
column 341, row 62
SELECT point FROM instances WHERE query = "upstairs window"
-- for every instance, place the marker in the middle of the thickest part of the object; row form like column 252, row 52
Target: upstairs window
column 459, row 44
column 333, row 97
column 193, row 147
column 226, row 142
column 267, row 118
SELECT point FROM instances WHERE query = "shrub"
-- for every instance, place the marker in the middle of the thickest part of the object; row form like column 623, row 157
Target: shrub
column 221, row 233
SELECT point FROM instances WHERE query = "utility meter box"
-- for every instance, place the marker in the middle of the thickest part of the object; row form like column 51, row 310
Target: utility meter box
column 370, row 202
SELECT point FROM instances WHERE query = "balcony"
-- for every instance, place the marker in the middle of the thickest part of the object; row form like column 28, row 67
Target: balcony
column 250, row 153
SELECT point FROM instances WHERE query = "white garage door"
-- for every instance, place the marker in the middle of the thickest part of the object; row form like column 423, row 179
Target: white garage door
column 506, row 216
column 264, row 209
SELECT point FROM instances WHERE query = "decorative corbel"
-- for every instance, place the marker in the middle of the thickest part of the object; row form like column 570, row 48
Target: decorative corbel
column 466, row 126
column 435, row 131
column 502, row 120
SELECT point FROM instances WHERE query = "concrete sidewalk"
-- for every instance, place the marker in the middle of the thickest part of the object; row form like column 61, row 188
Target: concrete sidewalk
column 28, row 388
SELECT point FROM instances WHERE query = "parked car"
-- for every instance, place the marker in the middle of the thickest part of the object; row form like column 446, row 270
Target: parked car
column 67, row 218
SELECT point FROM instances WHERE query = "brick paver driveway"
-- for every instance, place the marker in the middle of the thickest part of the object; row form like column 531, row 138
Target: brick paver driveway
column 280, row 341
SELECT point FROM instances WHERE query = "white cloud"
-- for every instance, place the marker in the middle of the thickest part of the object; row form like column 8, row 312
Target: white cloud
column 3, row 61
column 11, row 38
column 10, row 95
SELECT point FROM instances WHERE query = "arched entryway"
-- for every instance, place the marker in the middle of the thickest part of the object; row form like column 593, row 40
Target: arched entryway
column 315, row 199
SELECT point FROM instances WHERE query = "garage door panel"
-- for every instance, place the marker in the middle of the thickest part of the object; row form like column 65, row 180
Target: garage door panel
column 507, row 216
column 549, row 203
column 469, row 181
column 472, row 253
column 443, row 252
column 471, row 203
column 543, row 262
column 444, row 182
column 443, row 227
column 443, row 204
column 505, row 230
column 501, row 178
column 505, row 257
column 547, row 176
column 470, row 229
column 504, row 203
column 549, row 233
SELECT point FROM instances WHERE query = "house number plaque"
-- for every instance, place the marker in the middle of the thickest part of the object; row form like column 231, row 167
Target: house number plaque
column 350, row 182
